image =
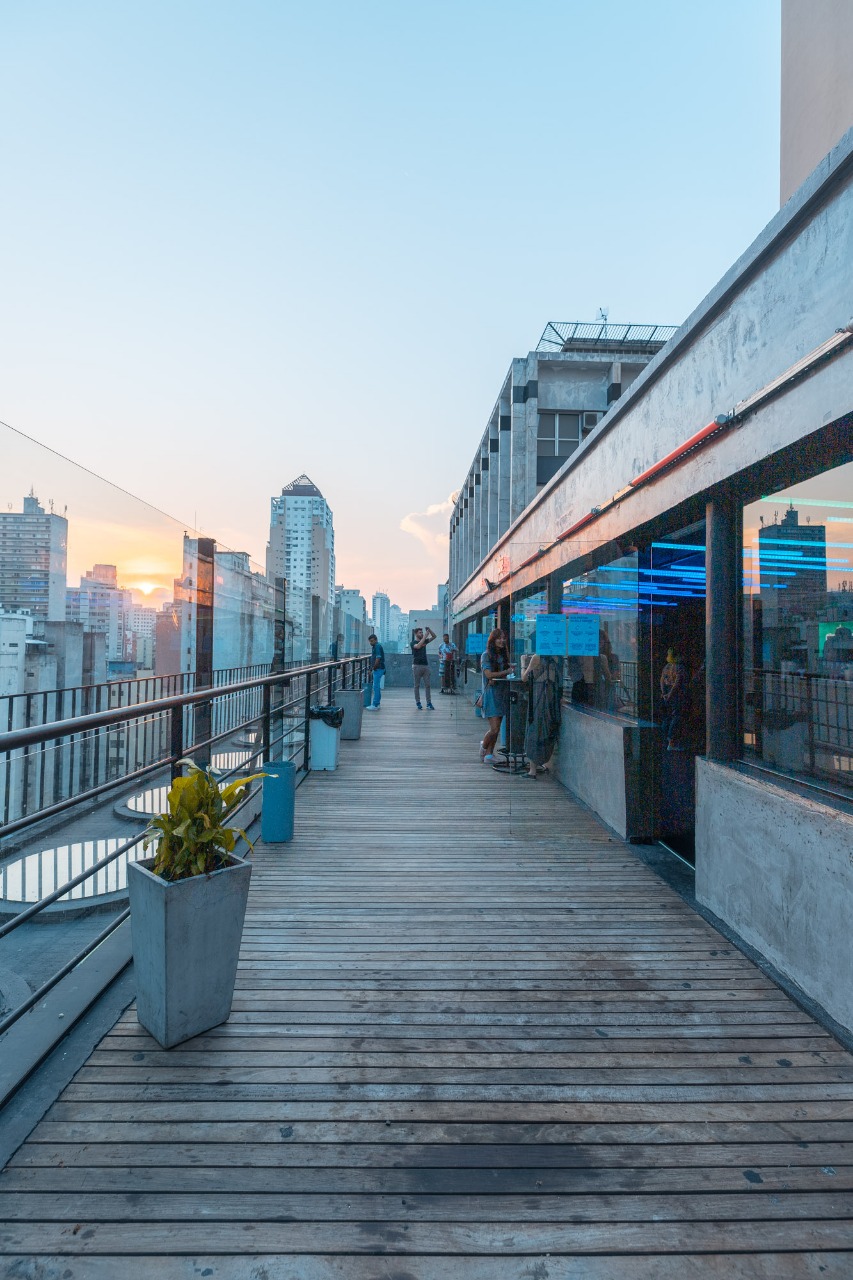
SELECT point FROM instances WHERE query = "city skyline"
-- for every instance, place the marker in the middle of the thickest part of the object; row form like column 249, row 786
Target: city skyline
column 247, row 277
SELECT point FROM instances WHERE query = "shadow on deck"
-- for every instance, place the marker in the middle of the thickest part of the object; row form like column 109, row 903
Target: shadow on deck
column 473, row 1036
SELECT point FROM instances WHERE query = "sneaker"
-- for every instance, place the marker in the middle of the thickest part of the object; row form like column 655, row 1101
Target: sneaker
column 489, row 759
column 419, row 707
column 430, row 707
column 371, row 708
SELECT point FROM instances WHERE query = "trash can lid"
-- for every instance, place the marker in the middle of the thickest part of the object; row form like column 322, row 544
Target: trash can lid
column 332, row 716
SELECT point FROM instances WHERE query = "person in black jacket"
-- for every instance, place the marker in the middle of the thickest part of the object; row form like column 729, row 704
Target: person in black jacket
column 420, row 664
column 377, row 671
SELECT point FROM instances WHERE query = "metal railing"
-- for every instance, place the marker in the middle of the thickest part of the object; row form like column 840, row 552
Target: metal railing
column 46, row 774
column 272, row 709
column 801, row 723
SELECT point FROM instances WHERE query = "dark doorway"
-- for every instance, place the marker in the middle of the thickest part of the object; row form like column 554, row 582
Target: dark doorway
column 672, row 591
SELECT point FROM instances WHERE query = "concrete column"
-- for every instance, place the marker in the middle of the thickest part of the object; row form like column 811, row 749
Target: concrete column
column 614, row 383
column 452, row 548
column 518, row 464
column 494, row 481
column 531, row 429
column 723, row 584
column 484, row 500
column 504, row 465
column 478, row 519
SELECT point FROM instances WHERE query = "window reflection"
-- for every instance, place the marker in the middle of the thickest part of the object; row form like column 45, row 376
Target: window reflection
column 607, row 681
column 798, row 629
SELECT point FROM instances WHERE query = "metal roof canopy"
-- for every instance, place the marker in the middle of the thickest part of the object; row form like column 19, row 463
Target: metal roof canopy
column 601, row 335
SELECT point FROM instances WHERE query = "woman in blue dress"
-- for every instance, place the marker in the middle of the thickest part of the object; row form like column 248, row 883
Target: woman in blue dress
column 495, row 666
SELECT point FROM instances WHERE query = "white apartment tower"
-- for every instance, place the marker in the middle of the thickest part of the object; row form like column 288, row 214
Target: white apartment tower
column 301, row 548
column 381, row 608
column 33, row 561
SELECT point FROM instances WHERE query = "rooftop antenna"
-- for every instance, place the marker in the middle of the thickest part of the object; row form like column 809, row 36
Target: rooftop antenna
column 603, row 315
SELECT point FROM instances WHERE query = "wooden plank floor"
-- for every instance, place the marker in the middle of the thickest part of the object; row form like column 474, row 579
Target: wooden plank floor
column 473, row 1037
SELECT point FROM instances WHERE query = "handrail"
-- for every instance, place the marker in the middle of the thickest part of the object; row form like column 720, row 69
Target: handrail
column 174, row 705
column 15, row 738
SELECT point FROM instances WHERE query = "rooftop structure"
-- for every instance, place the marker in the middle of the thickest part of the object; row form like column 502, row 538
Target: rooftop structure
column 601, row 335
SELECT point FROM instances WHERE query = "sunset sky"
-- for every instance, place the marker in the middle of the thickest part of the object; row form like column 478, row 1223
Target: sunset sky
column 245, row 241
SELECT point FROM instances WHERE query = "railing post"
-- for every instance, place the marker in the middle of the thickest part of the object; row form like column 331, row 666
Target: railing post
column 176, row 739
column 306, row 753
column 810, row 710
column 723, row 587
column 265, row 722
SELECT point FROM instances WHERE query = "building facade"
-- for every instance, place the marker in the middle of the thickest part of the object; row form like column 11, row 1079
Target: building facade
column 706, row 523
column 381, row 615
column 301, row 550
column 33, row 561
column 549, row 403
column 104, row 608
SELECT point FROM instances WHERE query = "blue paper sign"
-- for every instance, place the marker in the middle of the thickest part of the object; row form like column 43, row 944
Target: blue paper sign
column 583, row 634
column 475, row 642
column 551, row 634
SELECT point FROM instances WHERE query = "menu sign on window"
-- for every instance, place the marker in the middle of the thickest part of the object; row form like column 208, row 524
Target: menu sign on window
column 551, row 634
column 583, row 635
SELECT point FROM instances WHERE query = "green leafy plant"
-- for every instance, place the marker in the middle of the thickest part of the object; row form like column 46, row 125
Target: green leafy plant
column 191, row 837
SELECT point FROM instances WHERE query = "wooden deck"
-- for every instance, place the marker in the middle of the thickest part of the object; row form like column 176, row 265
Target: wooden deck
column 473, row 1037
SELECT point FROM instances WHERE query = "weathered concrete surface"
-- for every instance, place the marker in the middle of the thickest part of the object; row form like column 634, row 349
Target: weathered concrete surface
column 591, row 764
column 398, row 671
column 778, row 868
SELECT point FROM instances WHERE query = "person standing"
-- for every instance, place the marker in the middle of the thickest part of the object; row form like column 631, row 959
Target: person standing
column 447, row 655
column 420, row 665
column 543, row 678
column 674, row 689
column 495, row 666
column 377, row 671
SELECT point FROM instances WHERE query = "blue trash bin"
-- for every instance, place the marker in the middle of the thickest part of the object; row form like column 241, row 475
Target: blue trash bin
column 278, row 802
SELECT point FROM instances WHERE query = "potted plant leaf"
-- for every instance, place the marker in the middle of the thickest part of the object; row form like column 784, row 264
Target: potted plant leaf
column 187, row 905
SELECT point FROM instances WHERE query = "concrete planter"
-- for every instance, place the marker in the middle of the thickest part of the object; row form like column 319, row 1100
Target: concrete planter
column 186, row 941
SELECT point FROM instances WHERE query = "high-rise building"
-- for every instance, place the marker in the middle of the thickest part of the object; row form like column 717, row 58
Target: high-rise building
column 793, row 564
column 381, row 608
column 397, row 627
column 301, row 549
column 351, row 602
column 103, row 607
column 240, row 603
column 33, row 561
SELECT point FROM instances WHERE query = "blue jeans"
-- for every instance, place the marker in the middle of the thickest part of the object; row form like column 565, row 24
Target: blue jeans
column 377, row 689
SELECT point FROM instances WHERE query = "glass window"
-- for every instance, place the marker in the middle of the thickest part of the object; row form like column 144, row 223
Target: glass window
column 568, row 433
column 546, row 426
column 524, row 611
column 607, row 681
column 798, row 629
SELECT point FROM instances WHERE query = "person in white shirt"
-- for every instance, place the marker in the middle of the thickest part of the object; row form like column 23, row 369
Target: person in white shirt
column 447, row 655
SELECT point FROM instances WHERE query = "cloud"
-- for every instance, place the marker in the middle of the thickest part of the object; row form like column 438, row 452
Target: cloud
column 431, row 528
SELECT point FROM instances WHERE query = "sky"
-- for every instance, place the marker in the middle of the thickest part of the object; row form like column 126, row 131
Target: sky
column 241, row 242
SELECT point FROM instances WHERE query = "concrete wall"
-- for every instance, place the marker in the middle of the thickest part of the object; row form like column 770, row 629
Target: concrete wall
column 591, row 764
column 398, row 671
column 817, row 85
column 601, row 761
column 778, row 868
